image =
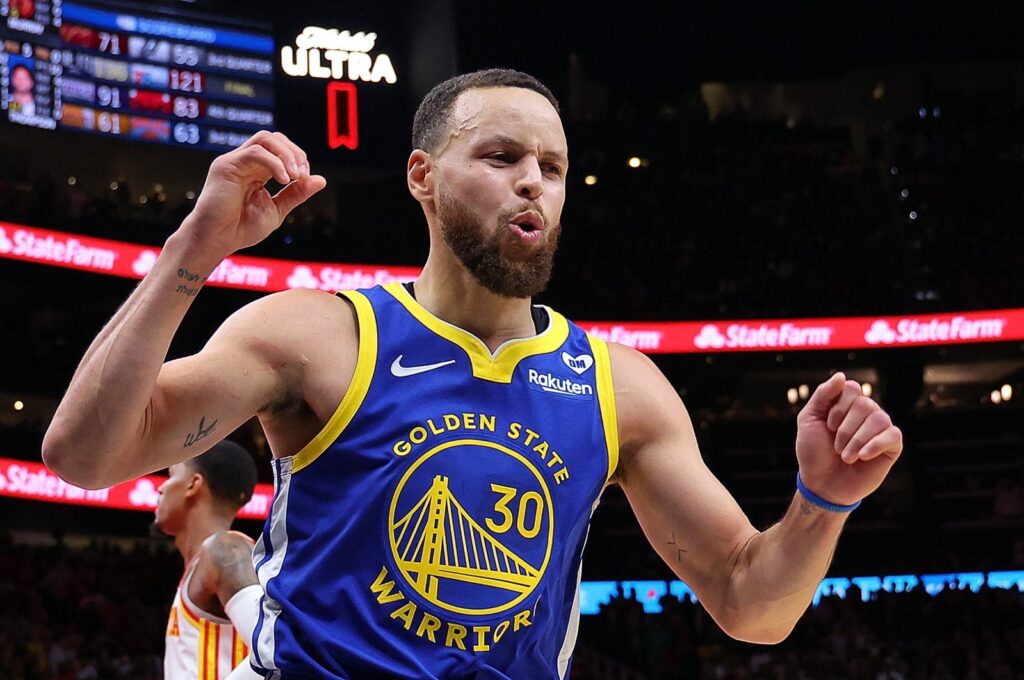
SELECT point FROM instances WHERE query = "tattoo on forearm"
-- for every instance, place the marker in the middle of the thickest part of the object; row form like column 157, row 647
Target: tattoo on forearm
column 203, row 431
column 679, row 551
column 189, row 277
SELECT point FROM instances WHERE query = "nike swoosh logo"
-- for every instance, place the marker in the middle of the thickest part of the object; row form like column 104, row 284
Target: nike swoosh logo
column 400, row 371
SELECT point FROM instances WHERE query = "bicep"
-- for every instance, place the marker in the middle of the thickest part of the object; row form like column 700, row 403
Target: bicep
column 230, row 565
column 688, row 516
column 200, row 399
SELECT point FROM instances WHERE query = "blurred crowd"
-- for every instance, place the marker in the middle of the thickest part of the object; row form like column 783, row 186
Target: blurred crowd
column 89, row 614
column 956, row 634
column 98, row 612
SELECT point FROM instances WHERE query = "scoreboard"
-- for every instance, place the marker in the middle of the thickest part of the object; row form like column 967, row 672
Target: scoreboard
column 118, row 70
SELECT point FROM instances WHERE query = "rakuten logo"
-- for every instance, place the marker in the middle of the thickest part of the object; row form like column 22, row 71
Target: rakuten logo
column 934, row 330
column 549, row 382
column 765, row 336
column 60, row 250
column 637, row 339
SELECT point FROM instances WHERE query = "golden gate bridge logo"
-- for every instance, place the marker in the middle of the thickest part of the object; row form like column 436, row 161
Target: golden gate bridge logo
column 438, row 543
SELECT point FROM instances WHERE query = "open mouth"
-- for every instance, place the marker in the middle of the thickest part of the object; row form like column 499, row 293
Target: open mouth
column 528, row 222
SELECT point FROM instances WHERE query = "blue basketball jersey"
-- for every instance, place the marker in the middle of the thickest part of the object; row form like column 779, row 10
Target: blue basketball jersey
column 435, row 527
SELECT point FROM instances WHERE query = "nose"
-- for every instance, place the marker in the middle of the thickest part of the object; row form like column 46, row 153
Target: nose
column 530, row 183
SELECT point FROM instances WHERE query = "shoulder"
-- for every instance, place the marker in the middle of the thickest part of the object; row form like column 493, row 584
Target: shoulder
column 225, row 548
column 292, row 312
column 289, row 329
column 648, row 407
column 636, row 378
column 224, row 566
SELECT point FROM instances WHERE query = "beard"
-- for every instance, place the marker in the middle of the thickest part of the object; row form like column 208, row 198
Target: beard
column 480, row 251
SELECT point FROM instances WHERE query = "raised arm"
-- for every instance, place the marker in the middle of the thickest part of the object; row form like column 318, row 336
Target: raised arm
column 755, row 584
column 125, row 413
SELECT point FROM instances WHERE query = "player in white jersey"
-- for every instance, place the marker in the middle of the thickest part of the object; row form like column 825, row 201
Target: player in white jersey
column 216, row 606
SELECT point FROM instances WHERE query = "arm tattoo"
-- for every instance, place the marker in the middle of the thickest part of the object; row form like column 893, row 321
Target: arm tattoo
column 189, row 277
column 679, row 551
column 203, row 431
column 232, row 558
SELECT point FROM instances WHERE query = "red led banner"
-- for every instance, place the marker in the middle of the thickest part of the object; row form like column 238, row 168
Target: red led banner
column 35, row 482
column 130, row 260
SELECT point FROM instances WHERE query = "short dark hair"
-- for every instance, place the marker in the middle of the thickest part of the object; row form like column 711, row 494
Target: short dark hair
column 432, row 116
column 230, row 472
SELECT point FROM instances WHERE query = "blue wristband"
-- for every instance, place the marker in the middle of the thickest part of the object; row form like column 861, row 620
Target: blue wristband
column 821, row 502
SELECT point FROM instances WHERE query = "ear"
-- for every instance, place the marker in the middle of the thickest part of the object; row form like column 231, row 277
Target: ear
column 418, row 175
column 195, row 484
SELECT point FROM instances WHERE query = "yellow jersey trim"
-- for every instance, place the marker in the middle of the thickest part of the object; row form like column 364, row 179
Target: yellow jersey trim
column 606, row 399
column 366, row 362
column 499, row 366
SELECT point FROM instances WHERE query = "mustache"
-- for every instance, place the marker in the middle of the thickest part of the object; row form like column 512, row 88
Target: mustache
column 505, row 215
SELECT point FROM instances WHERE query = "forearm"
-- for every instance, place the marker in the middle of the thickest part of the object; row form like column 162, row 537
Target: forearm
column 106, row 410
column 778, row 571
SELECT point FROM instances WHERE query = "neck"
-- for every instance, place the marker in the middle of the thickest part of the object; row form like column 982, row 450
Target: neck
column 201, row 524
column 446, row 289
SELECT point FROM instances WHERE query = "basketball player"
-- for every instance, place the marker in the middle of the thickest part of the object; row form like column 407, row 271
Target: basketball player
column 440, row 446
column 217, row 603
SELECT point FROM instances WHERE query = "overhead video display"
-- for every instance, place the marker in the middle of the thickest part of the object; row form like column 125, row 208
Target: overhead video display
column 122, row 71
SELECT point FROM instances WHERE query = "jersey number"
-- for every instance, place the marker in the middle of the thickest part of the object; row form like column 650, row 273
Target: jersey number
column 530, row 511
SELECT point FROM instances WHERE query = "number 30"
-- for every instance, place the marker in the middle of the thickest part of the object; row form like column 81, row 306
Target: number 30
column 523, row 514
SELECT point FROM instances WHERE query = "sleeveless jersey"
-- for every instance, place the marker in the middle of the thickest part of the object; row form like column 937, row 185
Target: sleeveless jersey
column 435, row 527
column 199, row 645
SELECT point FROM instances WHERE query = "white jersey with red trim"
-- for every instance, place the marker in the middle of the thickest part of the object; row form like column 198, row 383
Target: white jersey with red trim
column 199, row 645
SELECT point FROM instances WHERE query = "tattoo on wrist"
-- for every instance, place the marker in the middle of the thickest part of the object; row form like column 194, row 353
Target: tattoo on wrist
column 190, row 277
column 203, row 431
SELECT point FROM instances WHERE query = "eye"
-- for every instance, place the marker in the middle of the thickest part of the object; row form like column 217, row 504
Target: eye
column 553, row 169
column 501, row 157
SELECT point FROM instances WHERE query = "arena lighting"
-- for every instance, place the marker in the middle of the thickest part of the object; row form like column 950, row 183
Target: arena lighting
column 996, row 397
column 18, row 405
column 913, row 215
column 894, row 171
column 113, row 186
column 142, row 198
column 866, row 389
column 190, row 195
column 792, row 396
column 72, row 181
column 590, row 180
column 634, row 162
column 804, row 391
column 904, row 193
column 1006, row 392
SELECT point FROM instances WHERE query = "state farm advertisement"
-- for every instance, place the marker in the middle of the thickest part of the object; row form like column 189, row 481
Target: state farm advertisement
column 130, row 260
column 787, row 335
column 35, row 481
column 133, row 261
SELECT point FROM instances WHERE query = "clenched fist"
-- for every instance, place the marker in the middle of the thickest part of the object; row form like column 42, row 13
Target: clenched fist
column 845, row 443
